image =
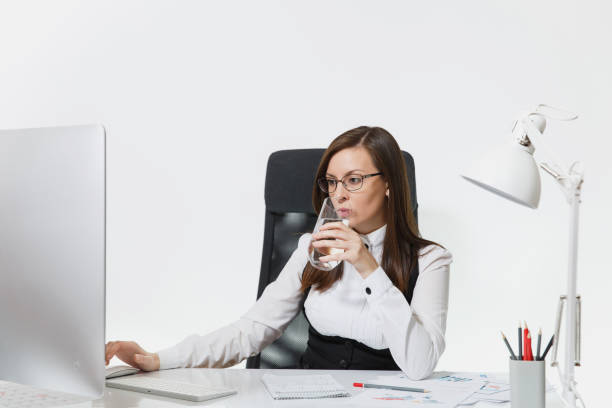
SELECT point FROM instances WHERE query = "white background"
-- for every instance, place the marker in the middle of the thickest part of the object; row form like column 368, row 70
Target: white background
column 196, row 95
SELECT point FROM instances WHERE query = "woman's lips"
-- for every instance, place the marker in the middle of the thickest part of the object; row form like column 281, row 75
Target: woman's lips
column 343, row 212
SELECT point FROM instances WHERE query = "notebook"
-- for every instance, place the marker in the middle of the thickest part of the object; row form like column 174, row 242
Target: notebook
column 303, row 386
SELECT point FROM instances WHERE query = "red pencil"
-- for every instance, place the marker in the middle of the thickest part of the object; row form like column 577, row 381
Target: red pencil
column 525, row 331
column 529, row 351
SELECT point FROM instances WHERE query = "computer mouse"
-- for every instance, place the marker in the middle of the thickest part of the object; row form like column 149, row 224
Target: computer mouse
column 120, row 371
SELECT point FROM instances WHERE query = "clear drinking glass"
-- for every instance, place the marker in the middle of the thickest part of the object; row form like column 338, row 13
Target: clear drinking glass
column 331, row 211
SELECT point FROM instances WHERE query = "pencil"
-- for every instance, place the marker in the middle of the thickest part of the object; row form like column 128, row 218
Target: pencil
column 389, row 387
column 550, row 343
column 539, row 342
column 529, row 353
column 520, row 339
column 525, row 332
column 513, row 356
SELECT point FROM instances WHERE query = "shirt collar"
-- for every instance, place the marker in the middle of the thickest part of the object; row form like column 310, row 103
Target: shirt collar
column 374, row 238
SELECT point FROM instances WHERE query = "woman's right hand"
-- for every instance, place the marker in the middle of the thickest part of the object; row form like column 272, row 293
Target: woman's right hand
column 131, row 353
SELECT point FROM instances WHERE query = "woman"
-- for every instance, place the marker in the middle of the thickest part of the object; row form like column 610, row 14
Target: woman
column 383, row 307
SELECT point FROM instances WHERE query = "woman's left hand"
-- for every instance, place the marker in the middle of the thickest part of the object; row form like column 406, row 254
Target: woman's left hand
column 338, row 235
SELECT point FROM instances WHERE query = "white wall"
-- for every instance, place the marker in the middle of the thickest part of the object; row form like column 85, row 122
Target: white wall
column 196, row 95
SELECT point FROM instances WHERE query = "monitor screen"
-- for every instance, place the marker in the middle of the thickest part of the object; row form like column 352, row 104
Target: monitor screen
column 52, row 258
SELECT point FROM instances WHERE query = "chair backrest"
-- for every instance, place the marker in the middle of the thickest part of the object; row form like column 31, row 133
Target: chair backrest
column 288, row 194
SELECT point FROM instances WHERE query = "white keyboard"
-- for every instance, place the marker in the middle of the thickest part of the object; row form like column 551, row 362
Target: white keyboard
column 21, row 396
column 168, row 388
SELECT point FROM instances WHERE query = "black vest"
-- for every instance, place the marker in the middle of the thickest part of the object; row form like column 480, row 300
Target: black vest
column 338, row 353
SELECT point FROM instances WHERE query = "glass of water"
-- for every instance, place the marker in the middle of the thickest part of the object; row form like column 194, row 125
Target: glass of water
column 331, row 211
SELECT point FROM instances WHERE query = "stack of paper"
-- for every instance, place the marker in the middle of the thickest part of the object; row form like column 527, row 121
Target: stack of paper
column 445, row 390
column 303, row 386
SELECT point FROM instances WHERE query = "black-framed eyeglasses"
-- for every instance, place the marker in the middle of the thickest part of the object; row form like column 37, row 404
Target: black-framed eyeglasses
column 351, row 182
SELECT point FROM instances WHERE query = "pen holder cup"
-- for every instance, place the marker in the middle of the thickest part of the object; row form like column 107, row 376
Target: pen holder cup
column 527, row 384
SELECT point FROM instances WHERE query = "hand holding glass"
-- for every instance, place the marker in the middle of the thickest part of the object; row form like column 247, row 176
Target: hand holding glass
column 328, row 213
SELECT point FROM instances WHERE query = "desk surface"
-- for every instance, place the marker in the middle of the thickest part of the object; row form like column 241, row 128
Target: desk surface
column 251, row 391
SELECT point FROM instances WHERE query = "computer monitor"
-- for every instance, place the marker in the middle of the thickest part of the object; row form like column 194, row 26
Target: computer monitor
column 52, row 258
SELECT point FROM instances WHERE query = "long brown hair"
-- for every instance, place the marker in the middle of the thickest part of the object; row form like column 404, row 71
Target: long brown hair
column 402, row 240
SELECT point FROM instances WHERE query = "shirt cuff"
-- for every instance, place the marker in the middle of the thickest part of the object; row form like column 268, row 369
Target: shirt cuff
column 168, row 358
column 376, row 285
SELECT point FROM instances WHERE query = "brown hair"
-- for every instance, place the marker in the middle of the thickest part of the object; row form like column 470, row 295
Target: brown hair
column 402, row 240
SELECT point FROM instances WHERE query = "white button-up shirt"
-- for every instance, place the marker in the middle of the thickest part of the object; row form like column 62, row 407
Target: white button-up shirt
column 372, row 311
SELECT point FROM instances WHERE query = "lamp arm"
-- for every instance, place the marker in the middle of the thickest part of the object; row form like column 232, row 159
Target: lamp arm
column 570, row 181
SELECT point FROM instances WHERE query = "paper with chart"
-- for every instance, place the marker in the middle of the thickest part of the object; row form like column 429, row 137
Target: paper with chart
column 389, row 398
column 446, row 390
column 495, row 390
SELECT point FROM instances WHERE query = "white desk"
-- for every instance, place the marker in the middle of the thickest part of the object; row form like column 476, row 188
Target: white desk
column 251, row 391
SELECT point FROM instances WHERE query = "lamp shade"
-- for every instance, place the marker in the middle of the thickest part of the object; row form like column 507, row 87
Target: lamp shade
column 509, row 171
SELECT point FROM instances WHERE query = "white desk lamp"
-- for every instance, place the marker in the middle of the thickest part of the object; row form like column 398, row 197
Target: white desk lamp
column 512, row 172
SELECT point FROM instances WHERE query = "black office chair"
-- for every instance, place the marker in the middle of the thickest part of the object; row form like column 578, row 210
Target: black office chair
column 289, row 213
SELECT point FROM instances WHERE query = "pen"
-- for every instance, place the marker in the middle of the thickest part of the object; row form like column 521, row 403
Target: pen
column 513, row 356
column 539, row 342
column 550, row 342
column 520, row 340
column 389, row 387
